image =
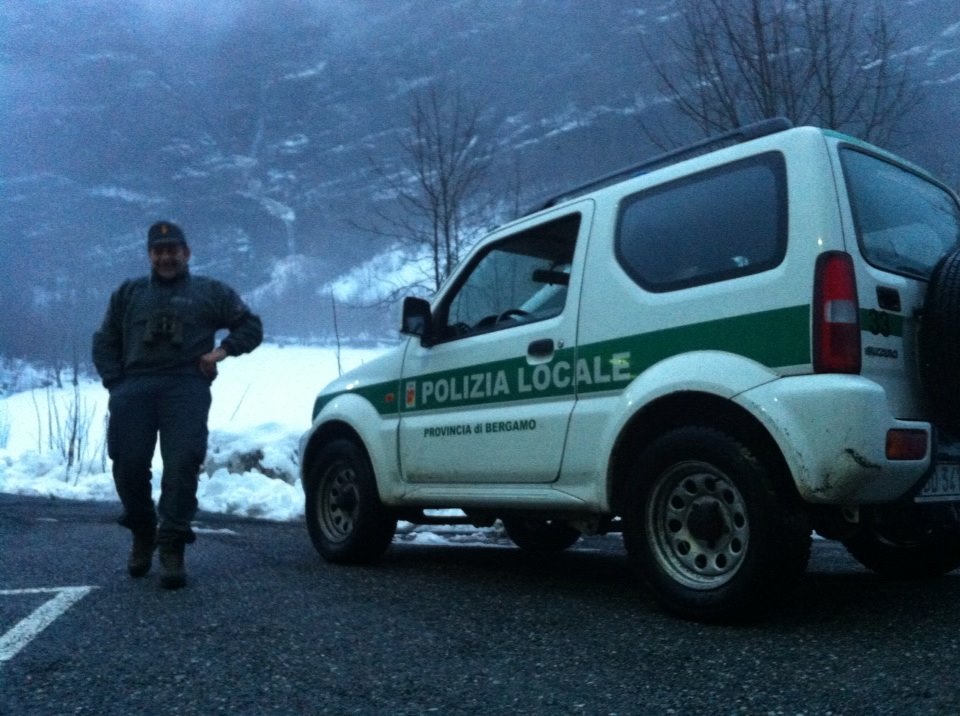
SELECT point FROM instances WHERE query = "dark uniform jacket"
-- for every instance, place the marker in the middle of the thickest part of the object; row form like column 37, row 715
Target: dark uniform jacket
column 156, row 327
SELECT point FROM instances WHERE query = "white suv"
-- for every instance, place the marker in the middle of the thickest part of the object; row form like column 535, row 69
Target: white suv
column 715, row 353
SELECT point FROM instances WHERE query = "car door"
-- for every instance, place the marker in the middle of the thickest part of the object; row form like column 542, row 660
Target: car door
column 488, row 399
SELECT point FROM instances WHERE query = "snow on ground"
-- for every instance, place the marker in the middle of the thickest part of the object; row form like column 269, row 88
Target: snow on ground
column 261, row 405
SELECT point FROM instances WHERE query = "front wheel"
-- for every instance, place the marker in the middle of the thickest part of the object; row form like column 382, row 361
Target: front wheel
column 708, row 530
column 346, row 520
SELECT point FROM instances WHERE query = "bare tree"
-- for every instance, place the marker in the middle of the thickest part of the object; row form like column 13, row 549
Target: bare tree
column 445, row 162
column 825, row 62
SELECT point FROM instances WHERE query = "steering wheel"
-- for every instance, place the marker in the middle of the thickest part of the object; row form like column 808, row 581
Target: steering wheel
column 512, row 313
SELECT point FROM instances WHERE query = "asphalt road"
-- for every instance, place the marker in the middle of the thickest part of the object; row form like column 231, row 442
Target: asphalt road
column 265, row 627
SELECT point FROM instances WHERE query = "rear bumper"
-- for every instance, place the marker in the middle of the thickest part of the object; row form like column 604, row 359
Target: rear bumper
column 832, row 431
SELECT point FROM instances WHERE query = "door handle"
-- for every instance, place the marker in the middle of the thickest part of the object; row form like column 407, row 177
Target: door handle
column 541, row 349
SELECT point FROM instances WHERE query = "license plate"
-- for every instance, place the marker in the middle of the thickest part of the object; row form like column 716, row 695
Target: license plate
column 943, row 485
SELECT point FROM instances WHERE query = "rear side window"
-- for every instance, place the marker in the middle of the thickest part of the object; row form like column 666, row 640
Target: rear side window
column 904, row 222
column 716, row 225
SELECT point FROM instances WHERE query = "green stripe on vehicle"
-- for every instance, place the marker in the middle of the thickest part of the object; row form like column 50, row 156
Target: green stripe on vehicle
column 773, row 338
column 881, row 323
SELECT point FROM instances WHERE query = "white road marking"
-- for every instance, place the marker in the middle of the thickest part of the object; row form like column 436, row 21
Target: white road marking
column 43, row 616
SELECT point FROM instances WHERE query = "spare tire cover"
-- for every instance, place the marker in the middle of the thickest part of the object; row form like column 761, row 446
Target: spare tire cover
column 940, row 341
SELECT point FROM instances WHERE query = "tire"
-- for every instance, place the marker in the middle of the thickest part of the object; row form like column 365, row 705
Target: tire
column 540, row 535
column 940, row 341
column 899, row 554
column 347, row 522
column 707, row 529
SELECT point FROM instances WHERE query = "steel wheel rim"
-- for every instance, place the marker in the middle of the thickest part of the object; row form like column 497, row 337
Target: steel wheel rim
column 339, row 502
column 697, row 525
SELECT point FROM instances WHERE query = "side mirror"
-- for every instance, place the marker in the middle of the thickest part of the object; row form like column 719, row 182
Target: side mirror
column 416, row 319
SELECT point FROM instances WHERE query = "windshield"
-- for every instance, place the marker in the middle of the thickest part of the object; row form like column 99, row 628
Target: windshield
column 904, row 222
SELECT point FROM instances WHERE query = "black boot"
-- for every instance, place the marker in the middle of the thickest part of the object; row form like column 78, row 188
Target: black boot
column 172, row 572
column 141, row 553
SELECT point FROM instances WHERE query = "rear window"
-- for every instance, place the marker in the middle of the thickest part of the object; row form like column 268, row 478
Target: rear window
column 719, row 224
column 904, row 222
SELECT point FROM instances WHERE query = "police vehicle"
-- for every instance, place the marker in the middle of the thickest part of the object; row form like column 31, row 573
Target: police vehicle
column 715, row 353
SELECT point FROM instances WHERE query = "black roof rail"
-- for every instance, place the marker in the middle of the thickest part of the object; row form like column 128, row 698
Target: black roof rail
column 734, row 136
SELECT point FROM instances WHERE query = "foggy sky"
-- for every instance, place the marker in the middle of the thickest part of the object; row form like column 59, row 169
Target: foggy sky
column 254, row 124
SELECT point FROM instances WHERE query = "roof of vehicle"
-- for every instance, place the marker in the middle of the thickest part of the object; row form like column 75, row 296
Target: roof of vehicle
column 874, row 149
column 735, row 136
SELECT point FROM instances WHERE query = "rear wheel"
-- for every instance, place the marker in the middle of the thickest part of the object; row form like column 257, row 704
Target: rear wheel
column 906, row 551
column 708, row 530
column 540, row 535
column 346, row 520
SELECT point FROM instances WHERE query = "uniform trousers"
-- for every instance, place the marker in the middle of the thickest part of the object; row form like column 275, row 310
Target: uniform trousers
column 176, row 408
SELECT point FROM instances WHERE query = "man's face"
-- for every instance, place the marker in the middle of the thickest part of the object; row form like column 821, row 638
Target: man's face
column 169, row 261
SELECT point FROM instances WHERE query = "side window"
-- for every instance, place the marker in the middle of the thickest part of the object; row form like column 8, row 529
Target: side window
column 719, row 224
column 520, row 279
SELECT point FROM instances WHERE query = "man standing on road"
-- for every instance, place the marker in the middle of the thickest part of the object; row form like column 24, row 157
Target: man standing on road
column 155, row 354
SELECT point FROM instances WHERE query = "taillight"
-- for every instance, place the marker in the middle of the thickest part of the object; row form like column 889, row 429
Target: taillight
column 836, row 315
column 903, row 444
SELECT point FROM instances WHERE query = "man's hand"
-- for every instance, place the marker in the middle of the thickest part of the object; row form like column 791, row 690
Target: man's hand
column 208, row 362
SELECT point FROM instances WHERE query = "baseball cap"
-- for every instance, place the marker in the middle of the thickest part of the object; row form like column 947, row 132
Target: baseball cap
column 165, row 232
